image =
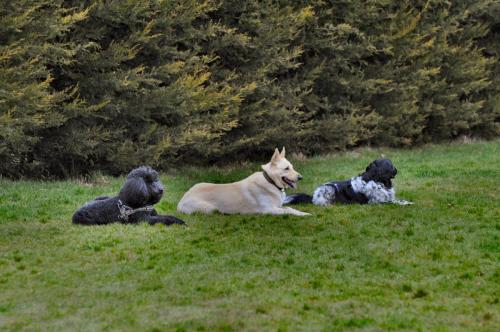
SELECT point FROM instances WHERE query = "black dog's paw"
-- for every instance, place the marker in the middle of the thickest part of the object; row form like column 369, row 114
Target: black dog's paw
column 174, row 220
column 82, row 217
column 166, row 220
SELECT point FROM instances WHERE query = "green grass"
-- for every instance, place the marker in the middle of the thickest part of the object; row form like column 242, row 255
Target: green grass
column 430, row 266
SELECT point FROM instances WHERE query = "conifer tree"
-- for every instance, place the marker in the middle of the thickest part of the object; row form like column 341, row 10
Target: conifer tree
column 30, row 110
column 107, row 85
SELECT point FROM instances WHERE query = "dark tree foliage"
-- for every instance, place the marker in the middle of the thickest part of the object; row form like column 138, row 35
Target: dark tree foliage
column 109, row 85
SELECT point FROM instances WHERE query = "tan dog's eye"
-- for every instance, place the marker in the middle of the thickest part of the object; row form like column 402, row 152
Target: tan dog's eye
column 287, row 168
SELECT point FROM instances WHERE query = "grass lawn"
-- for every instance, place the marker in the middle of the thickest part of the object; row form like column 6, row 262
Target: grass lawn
column 431, row 266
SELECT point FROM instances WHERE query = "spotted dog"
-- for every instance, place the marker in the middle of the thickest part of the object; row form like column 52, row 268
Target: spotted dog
column 374, row 186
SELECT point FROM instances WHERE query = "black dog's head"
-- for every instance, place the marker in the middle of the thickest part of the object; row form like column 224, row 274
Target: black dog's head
column 380, row 170
column 142, row 188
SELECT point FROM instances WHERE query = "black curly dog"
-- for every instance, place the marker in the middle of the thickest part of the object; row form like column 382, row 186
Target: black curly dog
column 134, row 203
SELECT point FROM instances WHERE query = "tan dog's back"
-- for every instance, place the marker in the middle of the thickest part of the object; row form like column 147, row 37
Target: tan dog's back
column 210, row 197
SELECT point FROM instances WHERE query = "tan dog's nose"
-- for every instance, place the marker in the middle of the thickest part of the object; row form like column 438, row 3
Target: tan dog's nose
column 300, row 177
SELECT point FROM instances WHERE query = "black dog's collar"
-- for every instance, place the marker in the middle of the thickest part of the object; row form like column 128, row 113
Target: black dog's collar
column 268, row 178
column 126, row 211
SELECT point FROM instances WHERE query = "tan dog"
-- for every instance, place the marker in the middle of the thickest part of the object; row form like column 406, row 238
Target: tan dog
column 261, row 192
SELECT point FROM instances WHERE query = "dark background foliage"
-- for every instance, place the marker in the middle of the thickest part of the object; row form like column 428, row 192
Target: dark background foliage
column 109, row 85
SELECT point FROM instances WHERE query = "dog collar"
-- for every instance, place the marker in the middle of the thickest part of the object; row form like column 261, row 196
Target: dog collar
column 268, row 178
column 126, row 211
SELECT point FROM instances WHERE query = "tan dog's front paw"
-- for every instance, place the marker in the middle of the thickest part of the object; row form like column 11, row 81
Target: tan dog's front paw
column 296, row 212
column 304, row 214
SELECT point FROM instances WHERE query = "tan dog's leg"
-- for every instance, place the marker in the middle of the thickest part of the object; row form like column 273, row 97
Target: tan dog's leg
column 202, row 207
column 296, row 212
column 288, row 210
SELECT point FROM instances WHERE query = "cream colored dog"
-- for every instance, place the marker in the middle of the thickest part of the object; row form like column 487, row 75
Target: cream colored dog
column 261, row 192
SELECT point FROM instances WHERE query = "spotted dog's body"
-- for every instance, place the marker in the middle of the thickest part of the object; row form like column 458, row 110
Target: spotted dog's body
column 374, row 186
column 133, row 204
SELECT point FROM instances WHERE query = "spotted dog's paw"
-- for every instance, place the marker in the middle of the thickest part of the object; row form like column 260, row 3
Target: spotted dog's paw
column 402, row 202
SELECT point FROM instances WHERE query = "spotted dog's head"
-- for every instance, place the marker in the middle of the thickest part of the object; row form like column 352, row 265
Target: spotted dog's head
column 381, row 171
column 142, row 188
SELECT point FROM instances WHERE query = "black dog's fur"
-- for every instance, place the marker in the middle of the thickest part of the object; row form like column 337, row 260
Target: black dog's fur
column 372, row 186
column 141, row 190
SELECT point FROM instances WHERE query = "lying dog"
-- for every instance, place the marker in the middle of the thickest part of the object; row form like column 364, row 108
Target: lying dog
column 371, row 187
column 261, row 192
column 134, row 203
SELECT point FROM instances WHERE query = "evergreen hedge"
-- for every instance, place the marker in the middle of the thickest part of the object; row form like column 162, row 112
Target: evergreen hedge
column 108, row 85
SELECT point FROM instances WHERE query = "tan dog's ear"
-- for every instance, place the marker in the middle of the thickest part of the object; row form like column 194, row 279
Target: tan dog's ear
column 282, row 154
column 276, row 156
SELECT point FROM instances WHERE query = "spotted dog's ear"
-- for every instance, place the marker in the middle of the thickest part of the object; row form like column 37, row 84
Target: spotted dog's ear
column 372, row 172
column 371, row 166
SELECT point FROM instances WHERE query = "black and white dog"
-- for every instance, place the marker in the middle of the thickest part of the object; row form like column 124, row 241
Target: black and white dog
column 371, row 187
column 134, row 203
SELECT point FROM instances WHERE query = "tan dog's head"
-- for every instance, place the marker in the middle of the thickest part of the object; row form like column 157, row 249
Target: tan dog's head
column 281, row 171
